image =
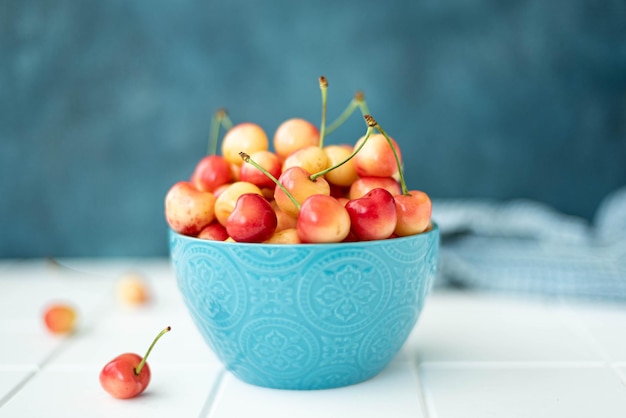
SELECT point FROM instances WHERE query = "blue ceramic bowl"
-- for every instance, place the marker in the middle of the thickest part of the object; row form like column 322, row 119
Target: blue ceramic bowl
column 306, row 316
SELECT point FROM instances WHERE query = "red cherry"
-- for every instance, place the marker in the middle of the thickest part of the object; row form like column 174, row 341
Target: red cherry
column 211, row 172
column 252, row 220
column 128, row 375
column 373, row 216
column 213, row 232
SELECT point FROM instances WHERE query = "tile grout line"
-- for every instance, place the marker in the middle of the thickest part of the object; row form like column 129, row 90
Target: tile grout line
column 206, row 412
column 448, row 365
column 40, row 366
column 421, row 394
column 37, row 369
column 567, row 316
column 620, row 375
column 6, row 398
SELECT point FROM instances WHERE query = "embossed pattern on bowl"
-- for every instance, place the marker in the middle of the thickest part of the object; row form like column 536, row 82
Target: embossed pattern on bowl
column 307, row 316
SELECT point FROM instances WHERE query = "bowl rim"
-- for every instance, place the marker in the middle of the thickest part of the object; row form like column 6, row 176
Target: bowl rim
column 434, row 230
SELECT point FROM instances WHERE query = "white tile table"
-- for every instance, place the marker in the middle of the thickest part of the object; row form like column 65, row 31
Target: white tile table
column 471, row 355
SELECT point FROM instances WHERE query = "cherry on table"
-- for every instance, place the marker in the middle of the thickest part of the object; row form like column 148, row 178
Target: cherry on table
column 128, row 374
column 60, row 318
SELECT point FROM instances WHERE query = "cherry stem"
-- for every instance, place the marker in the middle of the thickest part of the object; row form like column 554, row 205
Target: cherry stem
column 357, row 102
column 220, row 119
column 405, row 191
column 246, row 158
column 314, row 177
column 145, row 358
column 323, row 88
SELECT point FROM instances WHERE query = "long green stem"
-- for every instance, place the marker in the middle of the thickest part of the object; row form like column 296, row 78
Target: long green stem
column 343, row 117
column 314, row 177
column 145, row 358
column 358, row 101
column 219, row 119
column 226, row 122
column 246, row 158
column 324, row 89
column 405, row 191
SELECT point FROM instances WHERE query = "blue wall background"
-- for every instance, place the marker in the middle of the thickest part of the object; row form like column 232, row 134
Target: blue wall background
column 105, row 104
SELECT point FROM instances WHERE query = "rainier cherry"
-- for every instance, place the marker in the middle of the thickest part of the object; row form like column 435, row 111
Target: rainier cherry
column 252, row 220
column 373, row 216
column 214, row 231
column 187, row 209
column 127, row 375
column 227, row 199
column 285, row 236
column 210, row 173
column 294, row 134
column 266, row 159
column 345, row 174
column 414, row 211
column 246, row 137
column 376, row 158
column 132, row 289
column 60, row 318
column 296, row 180
column 311, row 159
column 364, row 185
column 284, row 221
column 323, row 218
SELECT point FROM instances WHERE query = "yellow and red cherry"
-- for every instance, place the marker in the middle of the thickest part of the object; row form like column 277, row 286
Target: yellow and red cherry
column 298, row 183
column 376, row 158
column 252, row 220
column 285, row 221
column 60, row 318
column 210, row 173
column 414, row 208
column 414, row 212
column 226, row 201
column 132, row 289
column 312, row 159
column 345, row 174
column 187, row 209
column 245, row 137
column 269, row 161
column 373, row 216
column 128, row 374
column 235, row 171
column 364, row 185
column 322, row 219
column 294, row 134
column 214, row 231
column 217, row 192
column 285, row 236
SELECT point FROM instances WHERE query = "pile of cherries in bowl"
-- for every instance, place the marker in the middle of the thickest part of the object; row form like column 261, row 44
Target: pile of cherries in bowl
column 304, row 266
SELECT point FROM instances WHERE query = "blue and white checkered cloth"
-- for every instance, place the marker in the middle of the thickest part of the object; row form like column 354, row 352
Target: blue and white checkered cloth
column 526, row 247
